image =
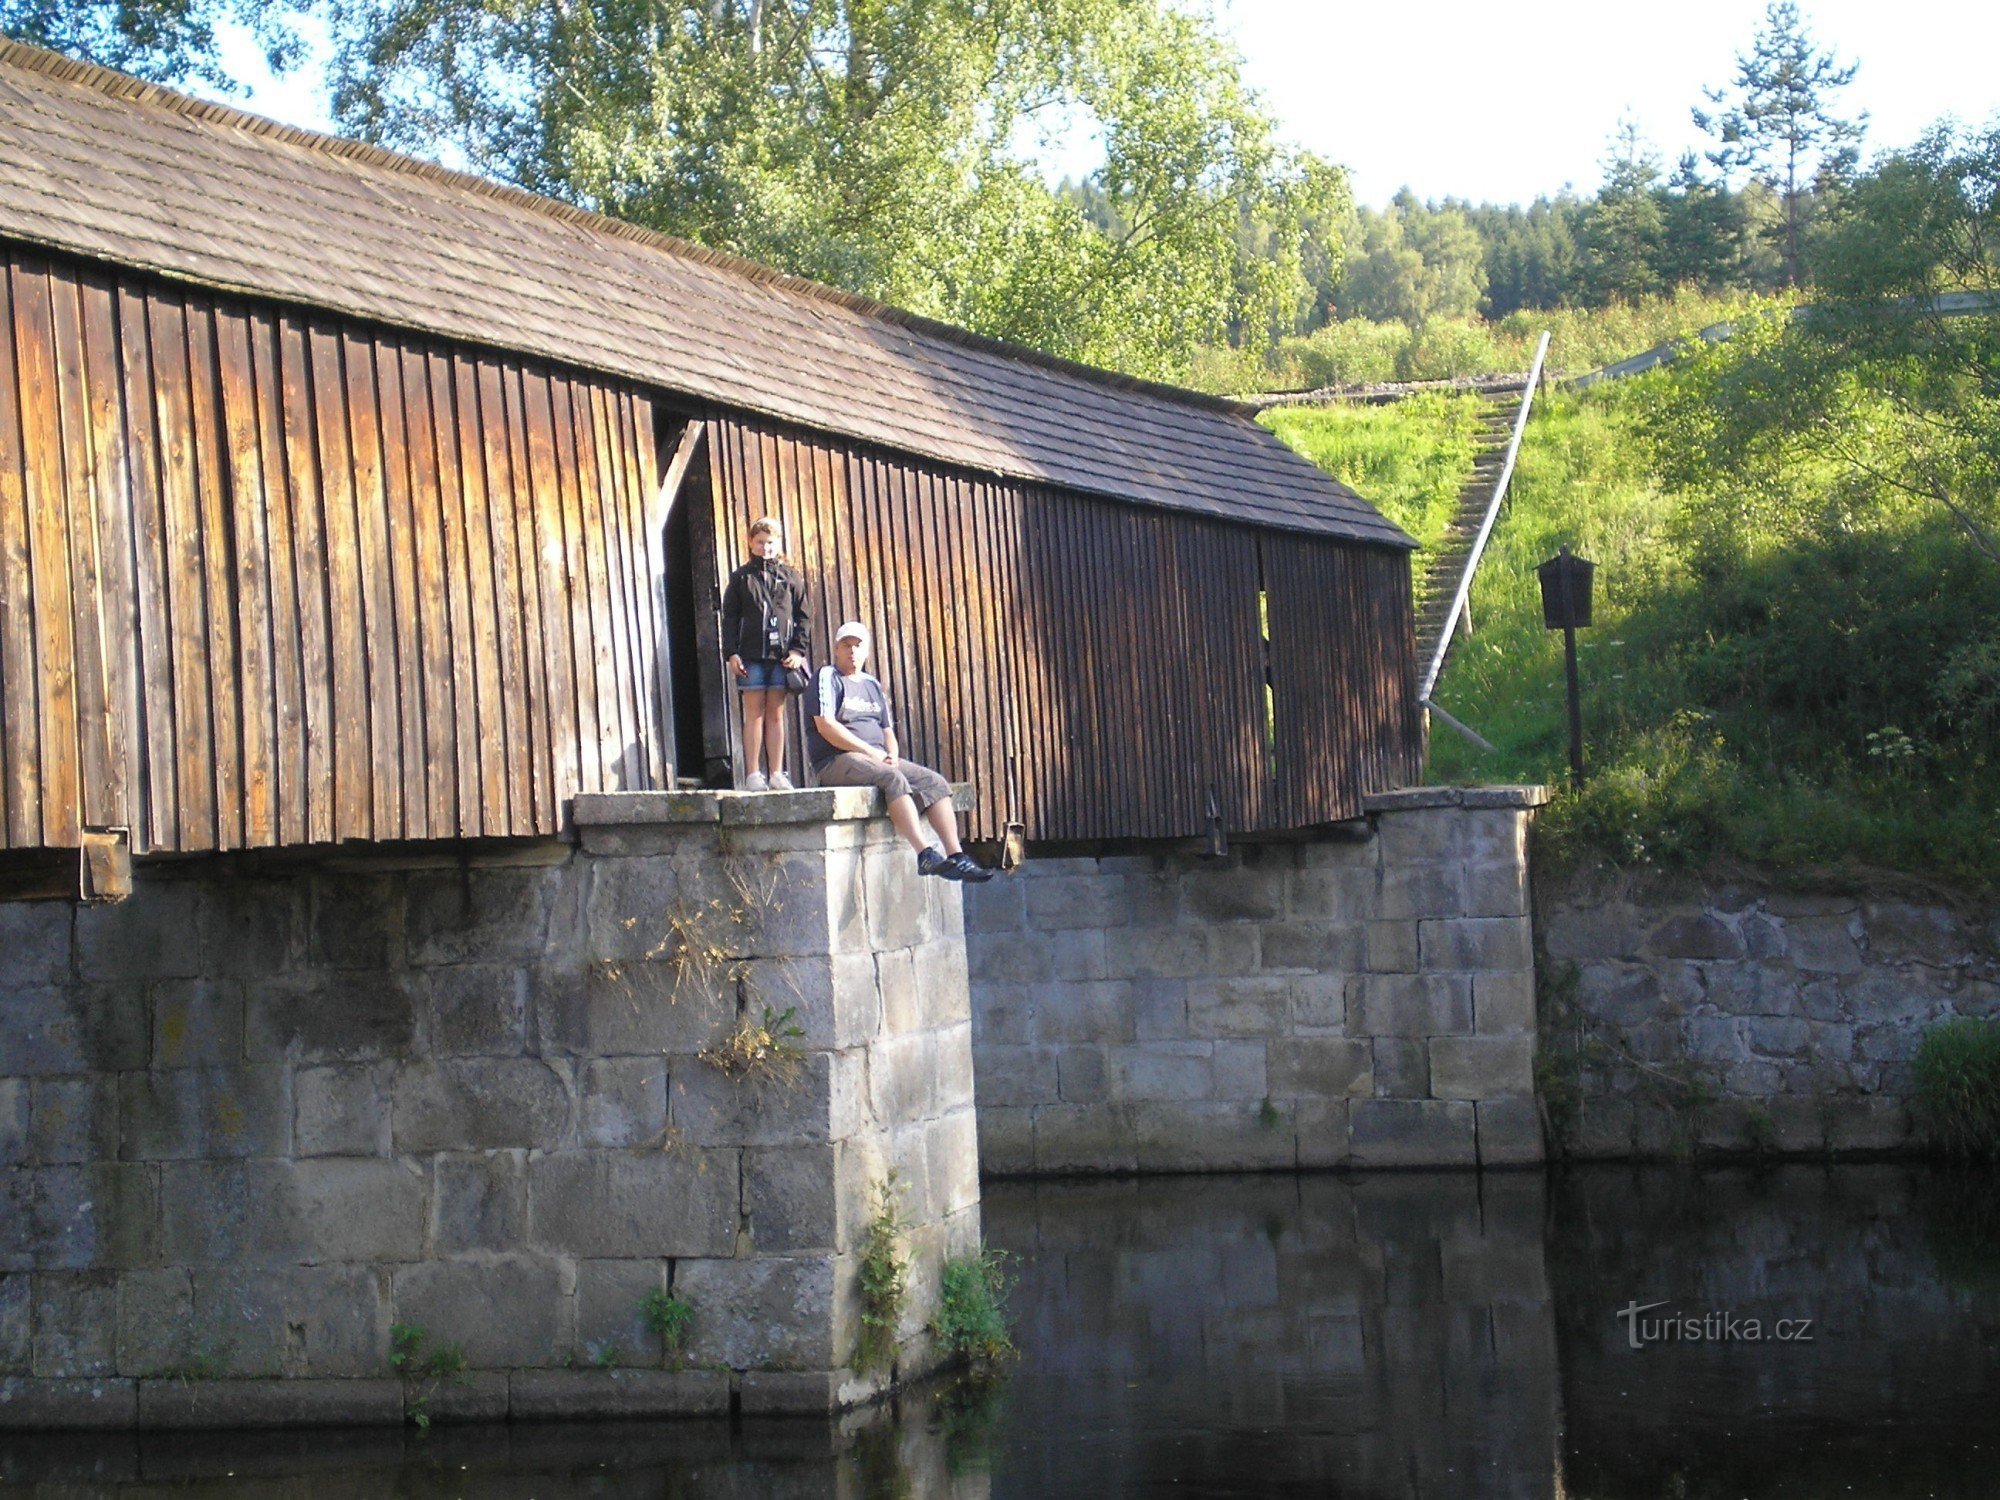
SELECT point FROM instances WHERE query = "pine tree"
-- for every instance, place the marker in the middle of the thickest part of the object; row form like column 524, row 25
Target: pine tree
column 1779, row 124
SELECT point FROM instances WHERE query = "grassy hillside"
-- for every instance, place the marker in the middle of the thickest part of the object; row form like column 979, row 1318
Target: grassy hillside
column 1357, row 351
column 1780, row 707
column 1410, row 458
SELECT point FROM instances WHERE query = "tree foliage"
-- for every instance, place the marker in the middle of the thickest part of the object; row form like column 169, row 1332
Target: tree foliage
column 1413, row 262
column 164, row 41
column 885, row 146
column 1777, row 122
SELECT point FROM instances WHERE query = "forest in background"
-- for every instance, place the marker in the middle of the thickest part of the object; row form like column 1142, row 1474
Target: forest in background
column 893, row 148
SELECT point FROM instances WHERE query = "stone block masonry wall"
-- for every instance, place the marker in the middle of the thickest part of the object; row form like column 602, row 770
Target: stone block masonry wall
column 1748, row 1014
column 1362, row 999
column 257, row 1115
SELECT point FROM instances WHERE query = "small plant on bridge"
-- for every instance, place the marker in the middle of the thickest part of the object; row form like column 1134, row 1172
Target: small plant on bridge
column 422, row 1370
column 760, row 1049
column 669, row 1316
column 885, row 1272
column 972, row 1305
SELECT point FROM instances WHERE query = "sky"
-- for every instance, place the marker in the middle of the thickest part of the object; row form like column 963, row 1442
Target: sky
column 1497, row 103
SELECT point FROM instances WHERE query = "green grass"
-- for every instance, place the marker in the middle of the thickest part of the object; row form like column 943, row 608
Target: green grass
column 1958, row 1088
column 972, row 1305
column 1409, row 458
column 1689, row 761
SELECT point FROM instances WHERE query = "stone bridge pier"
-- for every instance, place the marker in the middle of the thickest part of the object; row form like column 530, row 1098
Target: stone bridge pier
column 264, row 1113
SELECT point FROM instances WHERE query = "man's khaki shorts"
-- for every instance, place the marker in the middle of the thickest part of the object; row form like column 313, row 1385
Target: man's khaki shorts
column 904, row 779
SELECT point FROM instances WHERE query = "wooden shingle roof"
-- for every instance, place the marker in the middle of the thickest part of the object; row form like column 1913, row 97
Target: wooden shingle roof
column 99, row 164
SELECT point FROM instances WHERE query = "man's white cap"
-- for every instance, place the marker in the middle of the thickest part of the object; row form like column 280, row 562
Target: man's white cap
column 852, row 628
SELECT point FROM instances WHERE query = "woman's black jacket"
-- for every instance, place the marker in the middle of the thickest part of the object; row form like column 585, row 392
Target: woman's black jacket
column 764, row 612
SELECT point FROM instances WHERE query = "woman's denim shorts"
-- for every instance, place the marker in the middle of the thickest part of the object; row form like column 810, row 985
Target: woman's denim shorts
column 765, row 677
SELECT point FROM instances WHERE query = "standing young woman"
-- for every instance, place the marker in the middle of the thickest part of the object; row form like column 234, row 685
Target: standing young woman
column 764, row 631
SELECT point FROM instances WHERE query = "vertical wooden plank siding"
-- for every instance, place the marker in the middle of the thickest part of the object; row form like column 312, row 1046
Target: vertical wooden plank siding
column 1111, row 655
column 267, row 578
column 20, row 740
column 270, row 579
column 310, row 581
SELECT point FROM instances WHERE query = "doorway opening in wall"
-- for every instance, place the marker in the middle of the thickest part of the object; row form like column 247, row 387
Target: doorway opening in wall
column 1264, row 662
column 681, row 682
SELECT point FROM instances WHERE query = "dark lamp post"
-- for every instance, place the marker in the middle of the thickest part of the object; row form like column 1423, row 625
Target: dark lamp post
column 1565, row 581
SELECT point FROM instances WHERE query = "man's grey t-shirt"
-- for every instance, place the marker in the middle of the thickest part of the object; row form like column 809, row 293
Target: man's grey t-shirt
column 863, row 711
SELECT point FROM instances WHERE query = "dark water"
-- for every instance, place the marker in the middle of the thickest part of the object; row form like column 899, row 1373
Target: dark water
column 1409, row 1335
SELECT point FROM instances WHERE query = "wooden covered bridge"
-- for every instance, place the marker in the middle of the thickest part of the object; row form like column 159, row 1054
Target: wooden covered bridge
column 343, row 497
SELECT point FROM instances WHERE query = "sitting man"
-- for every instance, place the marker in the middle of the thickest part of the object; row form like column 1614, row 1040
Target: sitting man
column 852, row 742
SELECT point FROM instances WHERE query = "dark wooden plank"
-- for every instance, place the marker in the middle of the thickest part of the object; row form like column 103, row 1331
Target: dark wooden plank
column 405, row 613
column 111, row 496
column 641, row 436
column 81, row 486
column 20, row 749
column 591, row 707
column 502, row 538
column 636, row 579
column 546, row 814
column 493, row 815
column 905, row 644
column 48, row 557
column 717, row 735
column 378, row 612
column 157, row 818
column 193, row 738
column 218, row 592
column 627, row 757
column 945, row 688
column 612, row 735
column 312, row 583
column 989, row 660
column 347, row 633
column 1048, row 734
column 247, row 554
column 458, row 594
column 557, row 604
column 437, row 729
column 288, row 685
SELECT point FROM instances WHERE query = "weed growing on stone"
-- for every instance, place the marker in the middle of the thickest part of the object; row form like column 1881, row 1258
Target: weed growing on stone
column 972, row 1305
column 669, row 1316
column 422, row 1371
column 885, row 1272
column 765, row 1049
column 1957, row 1101
column 608, row 1357
column 1267, row 1115
column 703, row 940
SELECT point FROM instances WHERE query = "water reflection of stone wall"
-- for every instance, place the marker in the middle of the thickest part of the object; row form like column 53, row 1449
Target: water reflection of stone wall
column 1385, row 1336
column 1897, row 1267
column 864, row 1455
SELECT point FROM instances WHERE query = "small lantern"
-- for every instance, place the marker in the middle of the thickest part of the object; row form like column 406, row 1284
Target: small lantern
column 1566, row 607
column 1565, row 591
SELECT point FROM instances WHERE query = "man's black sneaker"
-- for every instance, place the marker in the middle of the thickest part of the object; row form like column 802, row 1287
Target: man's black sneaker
column 963, row 866
column 932, row 861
